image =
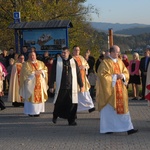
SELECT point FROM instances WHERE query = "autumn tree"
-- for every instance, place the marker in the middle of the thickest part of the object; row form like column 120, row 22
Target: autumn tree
column 43, row 10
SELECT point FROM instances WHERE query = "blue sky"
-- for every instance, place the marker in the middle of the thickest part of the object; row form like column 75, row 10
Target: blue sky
column 121, row 11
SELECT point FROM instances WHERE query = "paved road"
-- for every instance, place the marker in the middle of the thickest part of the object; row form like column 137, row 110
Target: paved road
column 20, row 132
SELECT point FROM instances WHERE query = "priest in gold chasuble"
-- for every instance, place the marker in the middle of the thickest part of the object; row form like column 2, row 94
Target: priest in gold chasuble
column 33, row 85
column 112, row 95
column 14, row 84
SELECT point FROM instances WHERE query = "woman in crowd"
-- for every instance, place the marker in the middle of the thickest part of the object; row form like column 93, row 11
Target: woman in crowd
column 135, row 75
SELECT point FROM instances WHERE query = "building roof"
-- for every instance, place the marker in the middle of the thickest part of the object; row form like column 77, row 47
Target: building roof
column 42, row 24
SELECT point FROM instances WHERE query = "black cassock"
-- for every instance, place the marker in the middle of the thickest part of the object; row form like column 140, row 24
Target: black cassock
column 64, row 108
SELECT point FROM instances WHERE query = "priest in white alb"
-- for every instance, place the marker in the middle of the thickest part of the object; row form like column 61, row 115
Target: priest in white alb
column 112, row 95
column 33, row 85
column 85, row 101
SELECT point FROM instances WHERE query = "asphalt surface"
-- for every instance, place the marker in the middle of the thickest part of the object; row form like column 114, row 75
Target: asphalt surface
column 21, row 132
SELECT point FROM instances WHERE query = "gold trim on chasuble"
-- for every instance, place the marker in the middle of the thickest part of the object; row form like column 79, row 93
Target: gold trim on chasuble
column 37, row 89
column 19, row 66
column 119, row 92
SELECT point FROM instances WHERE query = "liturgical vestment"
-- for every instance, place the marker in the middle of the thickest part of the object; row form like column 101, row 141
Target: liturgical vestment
column 112, row 96
column 33, row 88
column 147, row 89
column 85, row 101
column 14, row 84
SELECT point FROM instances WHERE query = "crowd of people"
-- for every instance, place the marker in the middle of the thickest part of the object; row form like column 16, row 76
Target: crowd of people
column 75, row 82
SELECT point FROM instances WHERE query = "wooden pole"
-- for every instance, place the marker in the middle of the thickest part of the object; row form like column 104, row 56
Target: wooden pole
column 110, row 37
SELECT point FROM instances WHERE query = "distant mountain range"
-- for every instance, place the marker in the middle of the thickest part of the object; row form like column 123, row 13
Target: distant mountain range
column 123, row 29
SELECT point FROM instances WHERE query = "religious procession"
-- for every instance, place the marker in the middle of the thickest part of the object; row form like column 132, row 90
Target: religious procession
column 71, row 80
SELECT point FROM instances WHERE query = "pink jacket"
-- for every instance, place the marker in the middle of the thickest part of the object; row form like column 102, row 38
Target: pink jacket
column 137, row 65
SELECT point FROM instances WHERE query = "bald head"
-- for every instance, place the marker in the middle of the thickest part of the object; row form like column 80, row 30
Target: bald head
column 114, row 48
column 114, row 51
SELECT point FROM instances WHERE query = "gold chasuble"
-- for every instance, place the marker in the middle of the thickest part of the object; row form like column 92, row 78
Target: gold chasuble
column 14, row 84
column 39, row 93
column 19, row 66
column 116, row 96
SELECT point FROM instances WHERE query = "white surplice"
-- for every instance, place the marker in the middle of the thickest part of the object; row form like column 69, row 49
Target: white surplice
column 84, row 101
